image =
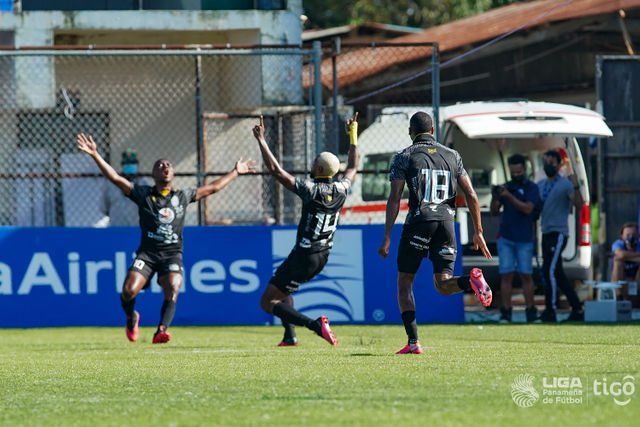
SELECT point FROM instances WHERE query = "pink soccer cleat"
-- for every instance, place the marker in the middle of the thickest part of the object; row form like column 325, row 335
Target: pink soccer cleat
column 326, row 331
column 480, row 287
column 411, row 349
column 133, row 333
column 161, row 336
column 286, row 343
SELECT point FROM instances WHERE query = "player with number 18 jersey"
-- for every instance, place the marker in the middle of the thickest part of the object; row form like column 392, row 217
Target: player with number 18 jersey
column 432, row 173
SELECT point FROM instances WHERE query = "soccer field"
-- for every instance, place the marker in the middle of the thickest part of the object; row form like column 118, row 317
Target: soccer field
column 237, row 376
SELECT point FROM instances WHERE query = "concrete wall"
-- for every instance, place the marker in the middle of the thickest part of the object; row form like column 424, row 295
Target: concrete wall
column 149, row 101
column 35, row 85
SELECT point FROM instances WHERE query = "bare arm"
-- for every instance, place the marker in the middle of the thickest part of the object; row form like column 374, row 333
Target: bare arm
column 88, row 145
column 393, row 208
column 576, row 196
column 274, row 168
column 241, row 168
column 628, row 256
column 474, row 208
column 352, row 162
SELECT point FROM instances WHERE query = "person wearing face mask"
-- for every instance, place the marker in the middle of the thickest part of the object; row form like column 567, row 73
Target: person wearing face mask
column 519, row 200
column 626, row 256
column 558, row 193
column 117, row 209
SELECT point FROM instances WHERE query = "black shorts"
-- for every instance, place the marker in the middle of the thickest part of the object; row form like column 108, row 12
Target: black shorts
column 147, row 263
column 298, row 268
column 436, row 239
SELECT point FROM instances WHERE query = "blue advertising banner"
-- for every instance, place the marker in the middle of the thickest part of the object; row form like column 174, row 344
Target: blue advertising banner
column 73, row 277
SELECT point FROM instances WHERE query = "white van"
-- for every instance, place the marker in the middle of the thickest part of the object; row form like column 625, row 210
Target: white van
column 485, row 134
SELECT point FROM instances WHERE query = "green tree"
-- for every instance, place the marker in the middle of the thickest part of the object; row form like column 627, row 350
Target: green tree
column 413, row 13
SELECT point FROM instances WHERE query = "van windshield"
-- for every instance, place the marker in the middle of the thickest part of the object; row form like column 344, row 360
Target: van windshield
column 375, row 185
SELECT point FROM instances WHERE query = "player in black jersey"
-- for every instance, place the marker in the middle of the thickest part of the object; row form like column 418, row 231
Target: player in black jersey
column 162, row 211
column 432, row 172
column 322, row 199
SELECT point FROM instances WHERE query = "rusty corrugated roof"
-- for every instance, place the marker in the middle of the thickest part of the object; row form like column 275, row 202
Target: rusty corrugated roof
column 362, row 63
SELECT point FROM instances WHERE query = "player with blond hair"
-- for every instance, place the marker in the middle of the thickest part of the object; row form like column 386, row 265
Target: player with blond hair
column 322, row 199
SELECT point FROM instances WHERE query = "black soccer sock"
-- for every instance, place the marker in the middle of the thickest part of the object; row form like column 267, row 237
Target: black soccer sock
column 288, row 314
column 289, row 331
column 167, row 312
column 128, row 306
column 463, row 283
column 410, row 325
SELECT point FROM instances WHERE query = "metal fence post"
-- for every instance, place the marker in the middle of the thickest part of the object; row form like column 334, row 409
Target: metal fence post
column 600, row 165
column 317, row 94
column 334, row 67
column 199, row 132
column 435, row 89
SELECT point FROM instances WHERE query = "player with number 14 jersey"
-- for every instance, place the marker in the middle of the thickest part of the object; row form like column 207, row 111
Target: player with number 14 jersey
column 322, row 198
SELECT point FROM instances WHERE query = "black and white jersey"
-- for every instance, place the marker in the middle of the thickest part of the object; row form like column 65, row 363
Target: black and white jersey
column 161, row 217
column 431, row 172
column 322, row 200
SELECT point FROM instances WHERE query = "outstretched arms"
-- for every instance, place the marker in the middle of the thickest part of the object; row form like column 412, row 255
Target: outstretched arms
column 272, row 165
column 352, row 162
column 88, row 145
column 242, row 167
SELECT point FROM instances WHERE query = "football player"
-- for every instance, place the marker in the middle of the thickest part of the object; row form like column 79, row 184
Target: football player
column 322, row 198
column 161, row 210
column 432, row 172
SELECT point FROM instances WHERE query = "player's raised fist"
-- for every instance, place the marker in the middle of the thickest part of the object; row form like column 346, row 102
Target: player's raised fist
column 258, row 130
column 352, row 124
column 86, row 144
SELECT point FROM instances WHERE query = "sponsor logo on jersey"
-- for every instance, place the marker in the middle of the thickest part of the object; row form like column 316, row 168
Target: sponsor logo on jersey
column 166, row 215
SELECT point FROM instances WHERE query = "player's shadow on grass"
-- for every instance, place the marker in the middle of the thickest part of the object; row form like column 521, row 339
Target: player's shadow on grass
column 364, row 354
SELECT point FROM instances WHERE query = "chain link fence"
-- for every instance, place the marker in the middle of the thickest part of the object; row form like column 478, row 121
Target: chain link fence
column 193, row 107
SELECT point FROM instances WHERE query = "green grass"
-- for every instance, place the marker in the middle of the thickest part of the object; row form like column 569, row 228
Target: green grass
column 236, row 376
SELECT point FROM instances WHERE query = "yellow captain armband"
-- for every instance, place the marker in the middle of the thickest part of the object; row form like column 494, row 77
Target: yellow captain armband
column 353, row 133
column 352, row 129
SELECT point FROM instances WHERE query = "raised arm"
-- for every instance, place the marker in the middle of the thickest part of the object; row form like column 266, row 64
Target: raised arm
column 242, row 167
column 575, row 196
column 352, row 162
column 474, row 208
column 393, row 208
column 88, row 145
column 272, row 165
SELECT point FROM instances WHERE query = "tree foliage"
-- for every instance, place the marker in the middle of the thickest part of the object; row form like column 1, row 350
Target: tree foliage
column 413, row 13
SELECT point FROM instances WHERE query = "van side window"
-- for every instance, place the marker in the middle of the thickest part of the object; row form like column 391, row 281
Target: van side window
column 376, row 186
